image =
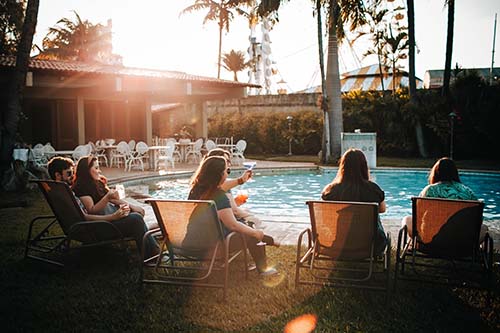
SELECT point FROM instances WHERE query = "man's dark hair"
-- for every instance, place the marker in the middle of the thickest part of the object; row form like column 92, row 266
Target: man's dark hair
column 58, row 164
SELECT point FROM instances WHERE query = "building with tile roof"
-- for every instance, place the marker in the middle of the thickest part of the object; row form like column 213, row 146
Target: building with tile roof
column 69, row 103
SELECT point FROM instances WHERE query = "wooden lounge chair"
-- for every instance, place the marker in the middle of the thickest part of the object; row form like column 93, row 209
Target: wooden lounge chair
column 340, row 247
column 193, row 245
column 67, row 229
column 444, row 246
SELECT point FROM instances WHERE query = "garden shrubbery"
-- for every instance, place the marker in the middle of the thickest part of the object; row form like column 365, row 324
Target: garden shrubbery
column 392, row 117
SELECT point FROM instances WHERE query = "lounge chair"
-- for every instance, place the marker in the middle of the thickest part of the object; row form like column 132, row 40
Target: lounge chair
column 444, row 246
column 193, row 245
column 66, row 229
column 340, row 247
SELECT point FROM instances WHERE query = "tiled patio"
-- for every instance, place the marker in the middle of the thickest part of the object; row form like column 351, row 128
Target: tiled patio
column 286, row 232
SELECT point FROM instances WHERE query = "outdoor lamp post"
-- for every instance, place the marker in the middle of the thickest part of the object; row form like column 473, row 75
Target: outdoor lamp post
column 452, row 116
column 289, row 118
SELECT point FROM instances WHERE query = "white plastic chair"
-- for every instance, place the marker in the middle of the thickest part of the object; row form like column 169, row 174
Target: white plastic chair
column 237, row 157
column 80, row 151
column 131, row 144
column 47, row 149
column 99, row 152
column 210, row 144
column 165, row 155
column 176, row 154
column 121, row 153
column 141, row 152
column 38, row 157
column 195, row 151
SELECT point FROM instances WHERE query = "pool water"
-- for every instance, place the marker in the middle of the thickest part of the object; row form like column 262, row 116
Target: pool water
column 281, row 196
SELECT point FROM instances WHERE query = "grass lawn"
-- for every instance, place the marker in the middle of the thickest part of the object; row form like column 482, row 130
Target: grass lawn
column 100, row 292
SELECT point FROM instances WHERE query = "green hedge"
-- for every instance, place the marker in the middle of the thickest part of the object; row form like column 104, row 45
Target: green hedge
column 392, row 117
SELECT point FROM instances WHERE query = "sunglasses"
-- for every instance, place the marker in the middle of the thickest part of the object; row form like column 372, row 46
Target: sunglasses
column 228, row 171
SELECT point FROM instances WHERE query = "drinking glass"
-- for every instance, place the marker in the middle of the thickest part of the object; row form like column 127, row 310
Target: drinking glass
column 241, row 197
column 249, row 166
column 121, row 190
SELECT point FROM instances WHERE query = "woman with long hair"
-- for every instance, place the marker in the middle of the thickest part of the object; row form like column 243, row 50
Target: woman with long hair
column 206, row 185
column 444, row 182
column 92, row 189
column 352, row 183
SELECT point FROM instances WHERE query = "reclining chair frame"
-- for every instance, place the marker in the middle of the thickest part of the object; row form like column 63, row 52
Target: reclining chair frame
column 314, row 255
column 168, row 267
column 66, row 228
column 435, row 266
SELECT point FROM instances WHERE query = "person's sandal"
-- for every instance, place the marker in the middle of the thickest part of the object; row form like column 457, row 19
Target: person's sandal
column 269, row 272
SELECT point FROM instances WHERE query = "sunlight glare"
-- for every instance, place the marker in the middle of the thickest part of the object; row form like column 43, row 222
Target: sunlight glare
column 302, row 324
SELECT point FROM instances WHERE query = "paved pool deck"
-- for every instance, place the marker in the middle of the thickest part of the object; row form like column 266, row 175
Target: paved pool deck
column 286, row 232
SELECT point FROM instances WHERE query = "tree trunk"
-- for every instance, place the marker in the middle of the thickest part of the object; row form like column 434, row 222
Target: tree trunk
column 235, row 77
column 10, row 123
column 220, row 48
column 449, row 49
column 325, row 147
column 333, row 87
column 413, row 84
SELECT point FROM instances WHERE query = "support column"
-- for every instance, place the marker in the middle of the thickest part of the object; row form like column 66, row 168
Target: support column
column 80, row 111
column 204, row 120
column 149, row 122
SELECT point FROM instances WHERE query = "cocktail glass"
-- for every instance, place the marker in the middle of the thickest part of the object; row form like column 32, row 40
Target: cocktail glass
column 249, row 166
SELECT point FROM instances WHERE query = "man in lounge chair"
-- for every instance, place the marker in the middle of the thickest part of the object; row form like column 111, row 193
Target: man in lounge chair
column 130, row 224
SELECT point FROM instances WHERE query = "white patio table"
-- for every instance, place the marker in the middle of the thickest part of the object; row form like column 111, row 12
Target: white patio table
column 183, row 145
column 153, row 155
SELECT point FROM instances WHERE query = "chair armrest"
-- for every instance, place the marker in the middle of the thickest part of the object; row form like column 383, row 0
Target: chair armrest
column 309, row 250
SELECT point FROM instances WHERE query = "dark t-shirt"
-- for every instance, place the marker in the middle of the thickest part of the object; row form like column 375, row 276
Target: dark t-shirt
column 369, row 192
column 220, row 198
column 221, row 202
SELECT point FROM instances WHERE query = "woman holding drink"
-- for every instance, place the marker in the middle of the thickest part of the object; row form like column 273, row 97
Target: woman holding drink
column 241, row 197
column 91, row 188
column 207, row 184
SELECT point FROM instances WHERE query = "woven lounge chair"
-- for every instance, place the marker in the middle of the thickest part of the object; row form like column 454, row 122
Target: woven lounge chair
column 66, row 229
column 444, row 246
column 340, row 247
column 193, row 245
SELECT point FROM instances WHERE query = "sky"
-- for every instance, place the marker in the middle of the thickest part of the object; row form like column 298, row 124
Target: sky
column 151, row 34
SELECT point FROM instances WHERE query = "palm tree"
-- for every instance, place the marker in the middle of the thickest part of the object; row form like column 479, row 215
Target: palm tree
column 449, row 48
column 394, row 50
column 220, row 11
column 411, row 76
column 325, row 147
column 76, row 40
column 234, row 61
column 340, row 12
column 376, row 25
column 8, row 128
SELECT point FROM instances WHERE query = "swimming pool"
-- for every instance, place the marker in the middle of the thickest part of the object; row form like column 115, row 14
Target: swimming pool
column 281, row 196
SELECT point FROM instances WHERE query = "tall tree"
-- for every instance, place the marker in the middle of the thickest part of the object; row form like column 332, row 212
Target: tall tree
column 394, row 50
column 11, row 23
column 234, row 61
column 340, row 13
column 325, row 146
column 77, row 39
column 449, row 48
column 222, row 12
column 10, row 118
column 375, row 17
column 411, row 76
